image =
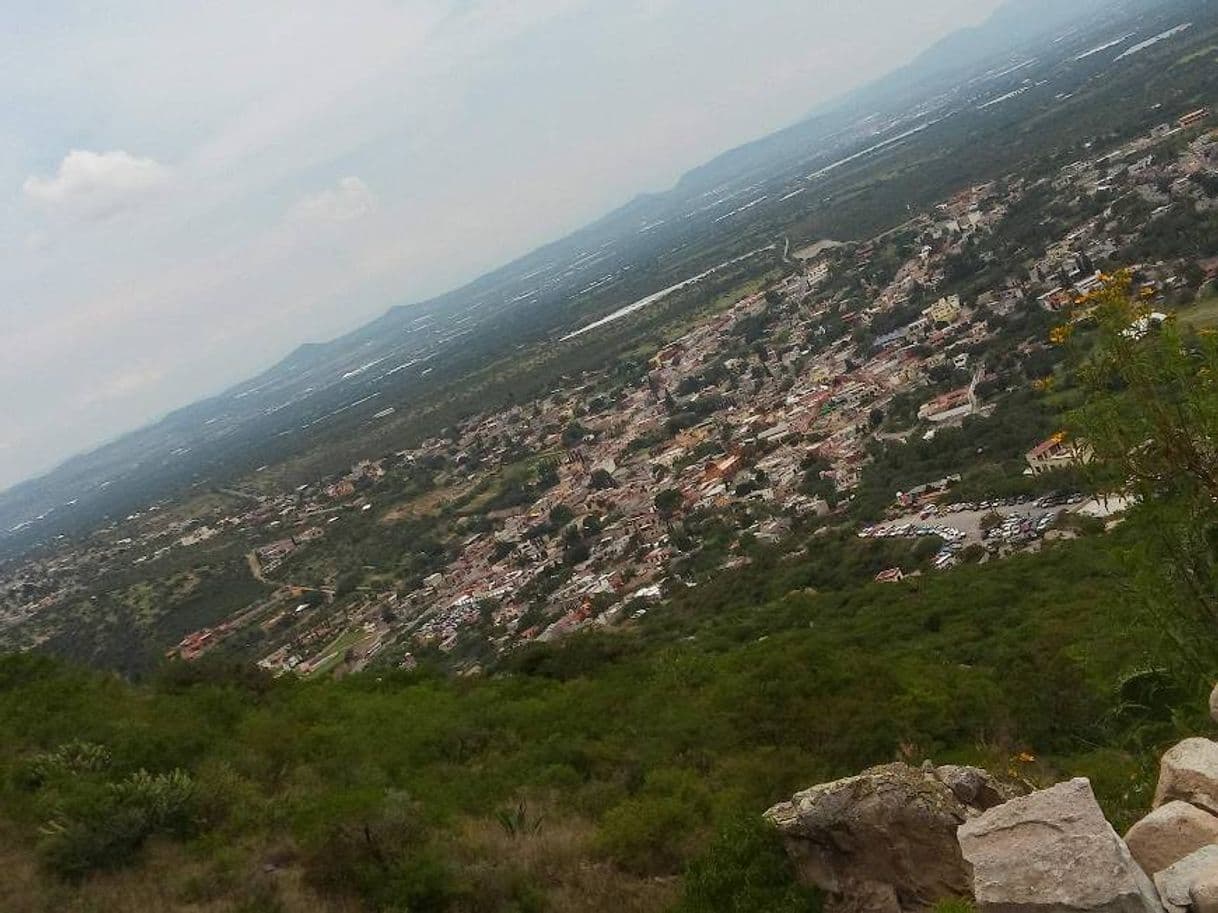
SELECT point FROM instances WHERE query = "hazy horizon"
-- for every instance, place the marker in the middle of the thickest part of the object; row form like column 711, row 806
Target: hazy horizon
column 190, row 198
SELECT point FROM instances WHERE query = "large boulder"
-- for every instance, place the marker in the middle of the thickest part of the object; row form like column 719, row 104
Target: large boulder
column 1204, row 891
column 1176, row 882
column 1169, row 833
column 885, row 841
column 1189, row 772
column 1053, row 852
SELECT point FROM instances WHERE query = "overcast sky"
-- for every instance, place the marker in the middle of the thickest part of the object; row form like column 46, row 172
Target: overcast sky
column 190, row 190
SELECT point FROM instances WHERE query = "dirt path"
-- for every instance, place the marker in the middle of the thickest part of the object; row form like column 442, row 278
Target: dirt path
column 256, row 568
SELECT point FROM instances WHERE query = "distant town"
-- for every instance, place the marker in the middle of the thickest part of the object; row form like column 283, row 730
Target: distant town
column 589, row 506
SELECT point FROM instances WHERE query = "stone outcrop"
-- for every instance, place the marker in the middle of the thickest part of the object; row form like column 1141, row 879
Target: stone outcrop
column 1204, row 891
column 1189, row 773
column 885, row 841
column 898, row 839
column 1053, row 851
column 1176, row 882
column 1169, row 833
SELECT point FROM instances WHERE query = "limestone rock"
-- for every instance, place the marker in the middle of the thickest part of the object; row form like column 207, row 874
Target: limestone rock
column 1175, row 883
column 1170, row 833
column 974, row 787
column 1053, row 852
column 1189, row 772
column 1214, row 704
column 1204, row 892
column 884, row 841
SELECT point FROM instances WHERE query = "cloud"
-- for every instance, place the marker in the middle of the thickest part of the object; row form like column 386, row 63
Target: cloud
column 97, row 185
column 349, row 200
column 122, row 385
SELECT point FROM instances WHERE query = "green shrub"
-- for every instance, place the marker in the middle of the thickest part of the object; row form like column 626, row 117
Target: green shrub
column 383, row 858
column 74, row 757
column 102, row 826
column 745, row 870
column 649, row 835
column 954, row 905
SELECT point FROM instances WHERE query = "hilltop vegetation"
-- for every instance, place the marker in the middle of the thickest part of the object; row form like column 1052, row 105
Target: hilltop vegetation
column 579, row 777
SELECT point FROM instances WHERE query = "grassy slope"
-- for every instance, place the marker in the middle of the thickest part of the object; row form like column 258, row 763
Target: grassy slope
column 642, row 746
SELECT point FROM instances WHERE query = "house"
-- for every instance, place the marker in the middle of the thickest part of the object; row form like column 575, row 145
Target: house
column 818, row 273
column 1055, row 453
column 945, row 310
column 949, row 406
column 892, row 575
column 1192, row 118
column 1055, row 299
column 341, row 489
column 277, row 551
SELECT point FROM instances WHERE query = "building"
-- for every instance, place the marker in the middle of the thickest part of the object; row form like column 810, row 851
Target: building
column 1192, row 118
column 277, row 551
column 892, row 575
column 1055, row 299
column 949, row 406
column 341, row 489
column 818, row 273
column 1057, row 453
column 945, row 310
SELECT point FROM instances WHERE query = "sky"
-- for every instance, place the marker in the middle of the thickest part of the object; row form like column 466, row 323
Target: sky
column 189, row 191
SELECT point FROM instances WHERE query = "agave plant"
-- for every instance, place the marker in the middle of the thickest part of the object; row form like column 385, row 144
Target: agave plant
column 517, row 822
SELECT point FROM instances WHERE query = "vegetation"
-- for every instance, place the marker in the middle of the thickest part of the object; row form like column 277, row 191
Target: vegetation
column 1151, row 420
column 657, row 746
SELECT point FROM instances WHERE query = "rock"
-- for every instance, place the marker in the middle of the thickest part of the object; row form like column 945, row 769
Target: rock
column 1053, row 852
column 1189, row 772
column 974, row 788
column 1204, row 892
column 884, row 841
column 1214, row 704
column 1170, row 833
column 1175, row 883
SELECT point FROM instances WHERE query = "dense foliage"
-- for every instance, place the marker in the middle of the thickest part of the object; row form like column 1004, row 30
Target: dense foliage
column 587, row 775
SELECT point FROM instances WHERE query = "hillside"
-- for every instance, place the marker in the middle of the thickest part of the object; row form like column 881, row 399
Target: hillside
column 583, row 777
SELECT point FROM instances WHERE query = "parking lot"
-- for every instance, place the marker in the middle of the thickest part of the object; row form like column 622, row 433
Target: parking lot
column 960, row 525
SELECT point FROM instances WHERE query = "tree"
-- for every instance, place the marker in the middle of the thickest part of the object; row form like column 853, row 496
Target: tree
column 667, row 502
column 972, row 554
column 547, row 474
column 561, row 515
column 1150, row 422
column 574, row 433
column 601, row 480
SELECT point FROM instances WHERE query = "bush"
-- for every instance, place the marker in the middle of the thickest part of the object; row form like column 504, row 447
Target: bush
column 74, row 757
column 104, row 827
column 649, row 835
column 954, row 905
column 383, row 857
column 745, row 870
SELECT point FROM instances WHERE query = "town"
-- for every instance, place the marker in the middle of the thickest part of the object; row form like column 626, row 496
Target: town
column 587, row 507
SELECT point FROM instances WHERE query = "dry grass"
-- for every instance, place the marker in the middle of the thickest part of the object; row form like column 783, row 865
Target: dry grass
column 167, row 881
column 561, row 859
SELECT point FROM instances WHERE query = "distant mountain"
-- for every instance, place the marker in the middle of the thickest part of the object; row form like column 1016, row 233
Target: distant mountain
column 1007, row 38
